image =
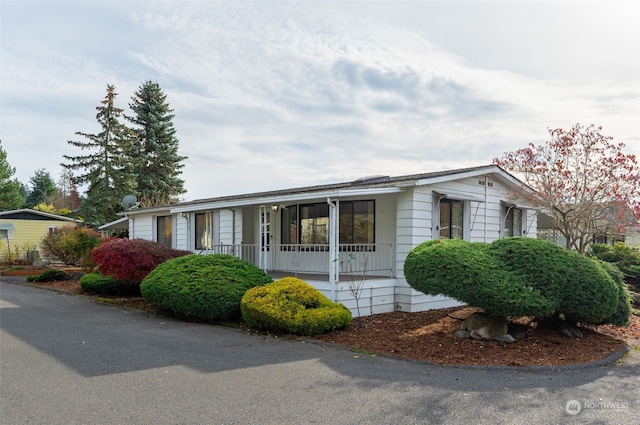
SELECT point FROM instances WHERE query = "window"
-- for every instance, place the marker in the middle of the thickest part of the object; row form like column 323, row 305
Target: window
column 309, row 223
column 357, row 222
column 53, row 229
column 451, row 219
column 314, row 224
column 163, row 230
column 289, row 216
column 512, row 221
column 204, row 230
column 6, row 231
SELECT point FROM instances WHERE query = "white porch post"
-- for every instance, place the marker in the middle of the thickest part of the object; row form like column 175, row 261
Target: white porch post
column 334, row 260
column 261, row 236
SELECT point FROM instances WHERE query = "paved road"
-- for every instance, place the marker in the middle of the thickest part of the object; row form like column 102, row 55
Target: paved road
column 69, row 360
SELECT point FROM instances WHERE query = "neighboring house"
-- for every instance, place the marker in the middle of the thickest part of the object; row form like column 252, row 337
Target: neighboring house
column 336, row 235
column 24, row 229
column 632, row 236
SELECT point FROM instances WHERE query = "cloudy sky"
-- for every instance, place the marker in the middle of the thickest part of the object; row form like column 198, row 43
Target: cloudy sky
column 271, row 94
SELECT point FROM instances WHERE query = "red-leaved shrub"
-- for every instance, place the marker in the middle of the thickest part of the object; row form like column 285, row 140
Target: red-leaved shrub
column 132, row 260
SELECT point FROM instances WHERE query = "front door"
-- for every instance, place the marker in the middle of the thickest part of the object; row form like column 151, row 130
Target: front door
column 265, row 239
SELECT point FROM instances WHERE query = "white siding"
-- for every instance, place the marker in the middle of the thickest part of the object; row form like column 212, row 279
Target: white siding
column 414, row 223
column 230, row 226
column 182, row 232
column 142, row 227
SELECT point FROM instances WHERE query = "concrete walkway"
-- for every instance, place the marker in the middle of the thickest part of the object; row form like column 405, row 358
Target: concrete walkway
column 69, row 360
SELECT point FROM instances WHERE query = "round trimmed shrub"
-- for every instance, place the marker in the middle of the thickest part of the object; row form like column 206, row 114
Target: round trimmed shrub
column 293, row 306
column 519, row 277
column 95, row 283
column 202, row 287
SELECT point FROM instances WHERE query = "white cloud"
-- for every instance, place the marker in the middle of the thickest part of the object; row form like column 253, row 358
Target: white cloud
column 274, row 95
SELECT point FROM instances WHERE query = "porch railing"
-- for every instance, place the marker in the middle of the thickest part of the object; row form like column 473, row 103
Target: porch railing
column 353, row 259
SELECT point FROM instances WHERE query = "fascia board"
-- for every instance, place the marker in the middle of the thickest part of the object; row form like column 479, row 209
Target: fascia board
column 341, row 193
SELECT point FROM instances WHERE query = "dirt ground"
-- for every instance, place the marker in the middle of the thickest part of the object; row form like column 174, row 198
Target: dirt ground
column 429, row 336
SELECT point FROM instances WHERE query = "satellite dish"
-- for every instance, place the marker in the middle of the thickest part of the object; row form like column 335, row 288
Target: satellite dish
column 129, row 202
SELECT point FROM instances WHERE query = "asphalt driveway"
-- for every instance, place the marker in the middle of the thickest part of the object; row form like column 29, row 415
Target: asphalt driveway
column 69, row 360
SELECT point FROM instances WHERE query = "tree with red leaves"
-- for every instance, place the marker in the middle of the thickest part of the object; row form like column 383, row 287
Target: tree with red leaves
column 582, row 180
column 131, row 260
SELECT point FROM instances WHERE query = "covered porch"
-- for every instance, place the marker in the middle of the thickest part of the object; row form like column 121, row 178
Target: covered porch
column 329, row 238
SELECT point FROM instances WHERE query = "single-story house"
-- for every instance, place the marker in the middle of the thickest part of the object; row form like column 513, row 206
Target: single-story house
column 337, row 236
column 24, row 229
column 632, row 236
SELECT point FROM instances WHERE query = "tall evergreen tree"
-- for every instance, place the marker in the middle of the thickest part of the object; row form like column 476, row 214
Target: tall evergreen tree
column 155, row 155
column 43, row 189
column 105, row 169
column 10, row 195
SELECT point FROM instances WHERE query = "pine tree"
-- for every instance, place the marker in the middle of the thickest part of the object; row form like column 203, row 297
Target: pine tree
column 155, row 155
column 10, row 195
column 42, row 190
column 105, row 170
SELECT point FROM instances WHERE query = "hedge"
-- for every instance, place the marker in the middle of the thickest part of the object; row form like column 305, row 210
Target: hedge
column 95, row 283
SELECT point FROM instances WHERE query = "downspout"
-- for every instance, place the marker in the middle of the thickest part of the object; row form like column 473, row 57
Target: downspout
column 233, row 227
column 485, row 210
column 188, row 232
column 333, row 247
column 263, row 231
column 131, row 226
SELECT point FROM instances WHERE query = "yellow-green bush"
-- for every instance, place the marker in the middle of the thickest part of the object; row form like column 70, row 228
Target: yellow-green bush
column 293, row 306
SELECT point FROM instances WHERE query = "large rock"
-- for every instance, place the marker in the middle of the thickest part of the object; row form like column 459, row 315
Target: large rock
column 485, row 326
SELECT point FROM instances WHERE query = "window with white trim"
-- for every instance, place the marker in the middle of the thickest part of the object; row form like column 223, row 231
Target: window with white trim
column 204, row 230
column 451, row 219
column 309, row 223
column 164, row 230
column 513, row 220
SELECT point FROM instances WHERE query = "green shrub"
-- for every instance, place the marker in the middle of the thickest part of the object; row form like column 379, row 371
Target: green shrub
column 71, row 245
column 467, row 272
column 622, row 315
column 50, row 276
column 617, row 253
column 293, row 306
column 518, row 277
column 95, row 283
column 582, row 287
column 202, row 287
column 625, row 257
